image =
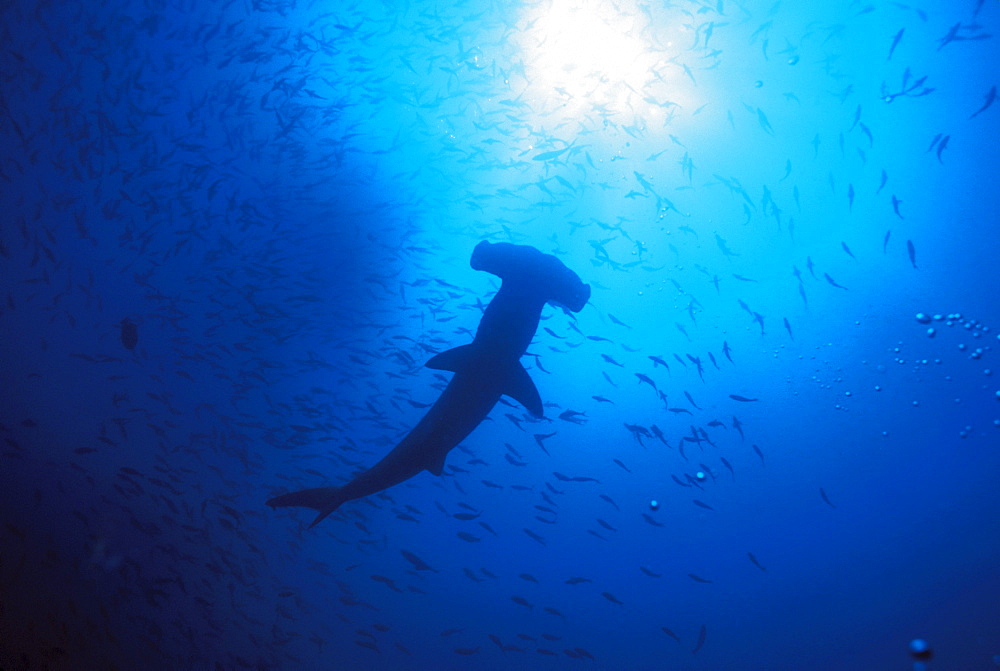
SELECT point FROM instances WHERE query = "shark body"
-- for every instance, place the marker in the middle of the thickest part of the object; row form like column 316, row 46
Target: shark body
column 484, row 370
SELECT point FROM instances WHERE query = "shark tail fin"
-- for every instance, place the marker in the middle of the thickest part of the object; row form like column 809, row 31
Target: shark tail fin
column 322, row 499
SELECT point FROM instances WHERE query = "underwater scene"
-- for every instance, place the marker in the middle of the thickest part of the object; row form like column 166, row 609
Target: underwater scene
column 557, row 334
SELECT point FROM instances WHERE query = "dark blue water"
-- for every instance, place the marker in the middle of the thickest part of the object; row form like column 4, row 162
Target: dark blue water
column 233, row 233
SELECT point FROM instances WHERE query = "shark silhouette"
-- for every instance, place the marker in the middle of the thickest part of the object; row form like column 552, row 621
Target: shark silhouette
column 484, row 370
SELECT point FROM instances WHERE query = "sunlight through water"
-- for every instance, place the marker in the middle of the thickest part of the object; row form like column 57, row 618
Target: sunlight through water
column 590, row 56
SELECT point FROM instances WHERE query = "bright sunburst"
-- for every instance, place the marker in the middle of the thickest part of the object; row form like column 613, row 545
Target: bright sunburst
column 588, row 53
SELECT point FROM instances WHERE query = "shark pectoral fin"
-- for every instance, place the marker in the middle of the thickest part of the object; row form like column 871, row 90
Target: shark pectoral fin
column 454, row 359
column 518, row 386
column 436, row 466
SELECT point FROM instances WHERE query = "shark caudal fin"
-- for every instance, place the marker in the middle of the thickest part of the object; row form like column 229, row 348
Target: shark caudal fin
column 322, row 499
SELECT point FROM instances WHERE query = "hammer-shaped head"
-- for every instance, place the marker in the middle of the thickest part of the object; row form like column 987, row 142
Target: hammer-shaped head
column 529, row 267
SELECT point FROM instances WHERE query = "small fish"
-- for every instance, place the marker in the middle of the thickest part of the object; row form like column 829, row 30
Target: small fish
column 521, row 601
column 788, row 170
column 646, row 379
column 728, row 466
column 701, row 504
column 857, row 118
column 885, row 240
column 825, row 498
column 658, row 361
column 691, row 400
column 885, row 178
column 847, row 250
column 607, row 498
column 755, row 562
column 701, row 639
column 764, row 123
column 895, row 42
column 742, row 399
column 833, row 282
column 912, row 253
column 417, row 562
column 548, row 155
column 698, row 578
column 991, row 96
column 611, row 360
column 611, row 597
column 738, row 426
column 618, row 321
column 759, row 454
column 942, row 145
column 671, row 634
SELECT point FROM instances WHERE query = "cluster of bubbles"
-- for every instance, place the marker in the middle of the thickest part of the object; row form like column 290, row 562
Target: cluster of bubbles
column 976, row 330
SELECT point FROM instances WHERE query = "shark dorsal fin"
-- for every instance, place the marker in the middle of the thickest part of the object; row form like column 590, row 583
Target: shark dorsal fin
column 452, row 360
column 518, row 386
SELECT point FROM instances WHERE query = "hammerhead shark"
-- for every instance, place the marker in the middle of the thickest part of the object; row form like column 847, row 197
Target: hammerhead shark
column 484, row 370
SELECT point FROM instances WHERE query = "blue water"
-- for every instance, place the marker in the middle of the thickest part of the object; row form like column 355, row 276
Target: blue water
column 279, row 199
